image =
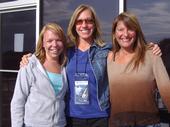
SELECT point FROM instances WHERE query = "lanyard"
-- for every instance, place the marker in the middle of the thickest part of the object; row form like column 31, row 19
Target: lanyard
column 85, row 69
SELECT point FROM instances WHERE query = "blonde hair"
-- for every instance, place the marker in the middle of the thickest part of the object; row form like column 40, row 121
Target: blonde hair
column 139, row 46
column 40, row 51
column 71, row 31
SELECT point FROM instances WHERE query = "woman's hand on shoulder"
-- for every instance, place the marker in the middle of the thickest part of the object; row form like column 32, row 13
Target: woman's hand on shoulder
column 24, row 60
column 155, row 49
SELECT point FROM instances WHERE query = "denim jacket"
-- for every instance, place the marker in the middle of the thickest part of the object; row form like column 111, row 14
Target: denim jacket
column 98, row 62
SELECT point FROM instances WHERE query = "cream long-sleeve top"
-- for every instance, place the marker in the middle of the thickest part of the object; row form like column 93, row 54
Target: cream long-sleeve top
column 132, row 93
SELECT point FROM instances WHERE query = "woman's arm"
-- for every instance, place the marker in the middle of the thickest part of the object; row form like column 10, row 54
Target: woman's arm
column 19, row 98
column 162, row 80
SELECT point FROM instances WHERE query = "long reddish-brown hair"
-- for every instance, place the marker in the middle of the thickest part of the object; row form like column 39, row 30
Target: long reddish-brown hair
column 139, row 47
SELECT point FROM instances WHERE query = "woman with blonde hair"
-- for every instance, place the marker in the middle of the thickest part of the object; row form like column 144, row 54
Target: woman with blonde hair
column 40, row 87
column 88, row 99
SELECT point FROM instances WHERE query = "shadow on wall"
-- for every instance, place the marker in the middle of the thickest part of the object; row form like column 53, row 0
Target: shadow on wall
column 165, row 48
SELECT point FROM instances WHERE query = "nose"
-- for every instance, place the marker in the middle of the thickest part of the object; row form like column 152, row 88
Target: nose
column 54, row 43
column 125, row 32
column 84, row 23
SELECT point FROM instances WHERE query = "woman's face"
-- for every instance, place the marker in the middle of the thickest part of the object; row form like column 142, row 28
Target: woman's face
column 52, row 44
column 125, row 36
column 85, row 26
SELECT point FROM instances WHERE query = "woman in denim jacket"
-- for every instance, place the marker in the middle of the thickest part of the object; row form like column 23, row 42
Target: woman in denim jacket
column 88, row 101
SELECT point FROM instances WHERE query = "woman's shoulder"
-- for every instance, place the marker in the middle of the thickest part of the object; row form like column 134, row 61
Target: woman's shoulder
column 110, row 56
column 150, row 53
column 107, row 46
column 152, row 57
column 33, row 62
column 27, row 70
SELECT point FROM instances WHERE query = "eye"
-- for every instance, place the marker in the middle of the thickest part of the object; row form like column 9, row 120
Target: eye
column 49, row 41
column 59, row 41
column 119, row 29
column 131, row 31
column 89, row 21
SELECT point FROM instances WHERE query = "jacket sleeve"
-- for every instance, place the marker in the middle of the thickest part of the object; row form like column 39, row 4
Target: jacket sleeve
column 21, row 92
column 162, row 80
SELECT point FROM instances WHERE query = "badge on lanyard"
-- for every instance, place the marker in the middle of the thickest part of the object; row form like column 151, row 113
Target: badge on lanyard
column 81, row 89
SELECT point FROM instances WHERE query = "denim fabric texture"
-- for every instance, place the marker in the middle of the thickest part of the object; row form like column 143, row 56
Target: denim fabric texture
column 98, row 60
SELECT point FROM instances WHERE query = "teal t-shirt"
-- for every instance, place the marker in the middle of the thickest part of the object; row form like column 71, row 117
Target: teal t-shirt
column 56, row 81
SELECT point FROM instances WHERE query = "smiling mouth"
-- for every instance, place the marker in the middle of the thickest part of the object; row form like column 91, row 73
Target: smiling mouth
column 85, row 31
column 126, row 40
